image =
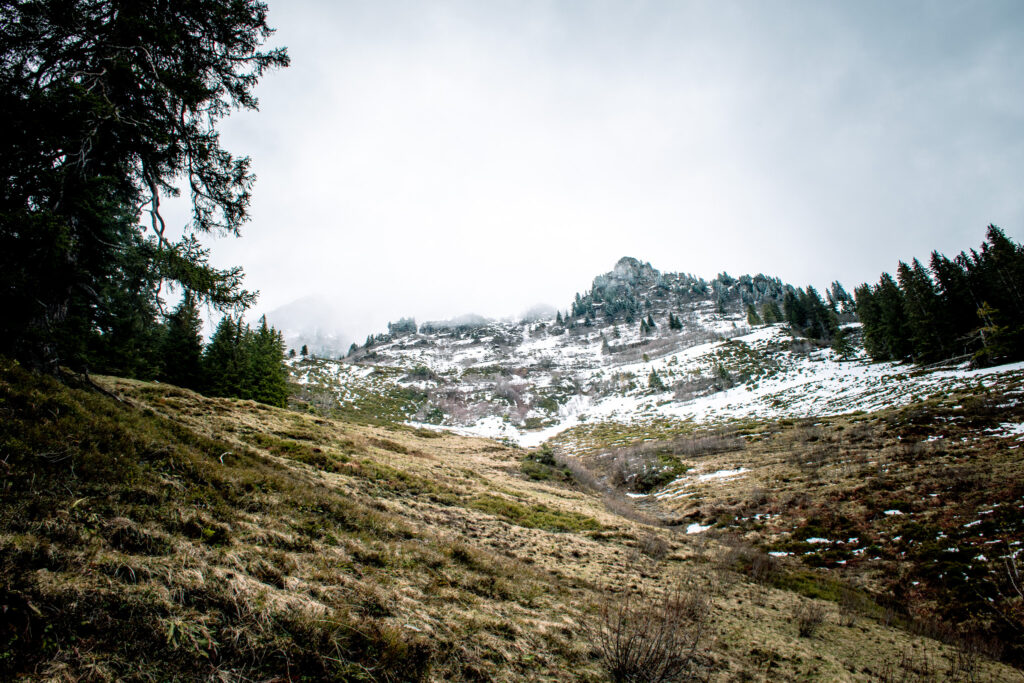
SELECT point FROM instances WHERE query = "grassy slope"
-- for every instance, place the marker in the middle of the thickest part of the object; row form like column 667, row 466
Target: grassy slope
column 171, row 536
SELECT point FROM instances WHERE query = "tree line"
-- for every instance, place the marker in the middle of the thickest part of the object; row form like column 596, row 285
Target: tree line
column 970, row 306
column 239, row 361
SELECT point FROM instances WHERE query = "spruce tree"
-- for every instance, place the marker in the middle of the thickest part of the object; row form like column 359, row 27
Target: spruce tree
column 182, row 347
column 224, row 367
column 753, row 319
column 268, row 376
column 770, row 313
column 654, row 382
column 921, row 305
column 894, row 333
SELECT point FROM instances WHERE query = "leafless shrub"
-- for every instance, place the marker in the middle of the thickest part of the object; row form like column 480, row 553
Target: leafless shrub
column 850, row 603
column 653, row 637
column 763, row 568
column 744, row 558
column 963, row 664
column 697, row 445
column 809, row 617
column 508, row 391
column 909, row 668
column 694, row 387
column 654, row 546
column 581, row 474
column 624, row 508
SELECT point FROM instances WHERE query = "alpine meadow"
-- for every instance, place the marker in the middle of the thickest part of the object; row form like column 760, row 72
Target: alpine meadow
column 664, row 475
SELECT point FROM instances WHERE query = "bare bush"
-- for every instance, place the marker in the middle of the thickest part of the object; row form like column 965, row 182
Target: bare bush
column 646, row 465
column 809, row 617
column 654, row 546
column 850, row 603
column 581, row 474
column 653, row 637
column 624, row 508
column 909, row 668
column 695, row 387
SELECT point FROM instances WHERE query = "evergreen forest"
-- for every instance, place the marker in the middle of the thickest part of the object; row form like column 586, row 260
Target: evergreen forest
column 970, row 307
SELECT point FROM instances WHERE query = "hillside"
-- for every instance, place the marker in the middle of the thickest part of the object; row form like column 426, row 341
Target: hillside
column 170, row 536
column 531, row 380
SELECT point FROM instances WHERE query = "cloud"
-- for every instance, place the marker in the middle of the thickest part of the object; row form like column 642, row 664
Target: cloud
column 431, row 159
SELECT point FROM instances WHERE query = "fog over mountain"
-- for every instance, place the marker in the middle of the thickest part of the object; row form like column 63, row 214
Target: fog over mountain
column 432, row 159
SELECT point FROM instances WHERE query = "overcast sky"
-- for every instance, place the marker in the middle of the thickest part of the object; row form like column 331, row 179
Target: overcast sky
column 436, row 158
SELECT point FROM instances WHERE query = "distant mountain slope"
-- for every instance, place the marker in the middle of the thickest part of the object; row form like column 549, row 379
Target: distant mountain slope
column 639, row 346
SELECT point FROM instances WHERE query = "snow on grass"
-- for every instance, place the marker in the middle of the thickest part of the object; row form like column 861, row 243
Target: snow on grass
column 614, row 387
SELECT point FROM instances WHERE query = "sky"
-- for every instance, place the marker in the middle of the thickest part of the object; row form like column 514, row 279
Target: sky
column 430, row 159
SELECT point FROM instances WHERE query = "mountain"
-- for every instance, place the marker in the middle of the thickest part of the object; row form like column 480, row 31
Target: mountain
column 638, row 344
column 315, row 322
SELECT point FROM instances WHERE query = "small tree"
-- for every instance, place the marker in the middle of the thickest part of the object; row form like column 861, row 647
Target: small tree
column 654, row 381
column 753, row 319
column 305, row 350
column 770, row 313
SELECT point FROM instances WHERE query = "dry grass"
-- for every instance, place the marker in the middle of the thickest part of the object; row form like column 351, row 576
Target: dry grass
column 177, row 537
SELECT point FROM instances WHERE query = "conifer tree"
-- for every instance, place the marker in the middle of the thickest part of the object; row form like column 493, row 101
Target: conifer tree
column 894, row 334
column 655, row 382
column 224, row 367
column 770, row 313
column 268, row 376
column 108, row 106
column 753, row 319
column 182, row 347
column 921, row 309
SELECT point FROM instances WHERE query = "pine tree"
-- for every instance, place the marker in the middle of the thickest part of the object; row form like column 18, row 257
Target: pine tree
column 107, row 107
column 305, row 350
column 922, row 313
column 770, row 313
column 268, row 375
column 224, row 367
column 895, row 335
column 654, row 382
column 182, row 347
column 792, row 306
column 753, row 319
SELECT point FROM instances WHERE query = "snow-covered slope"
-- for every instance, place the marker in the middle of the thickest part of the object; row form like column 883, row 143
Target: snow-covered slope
column 528, row 381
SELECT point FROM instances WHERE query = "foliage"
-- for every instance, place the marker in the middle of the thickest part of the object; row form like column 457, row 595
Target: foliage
column 969, row 306
column 182, row 346
column 106, row 106
column 244, row 363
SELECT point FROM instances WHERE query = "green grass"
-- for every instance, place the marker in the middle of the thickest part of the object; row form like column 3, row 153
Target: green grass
column 534, row 516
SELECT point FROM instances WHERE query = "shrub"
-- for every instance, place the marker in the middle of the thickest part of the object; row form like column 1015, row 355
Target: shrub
column 809, row 617
column 653, row 637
